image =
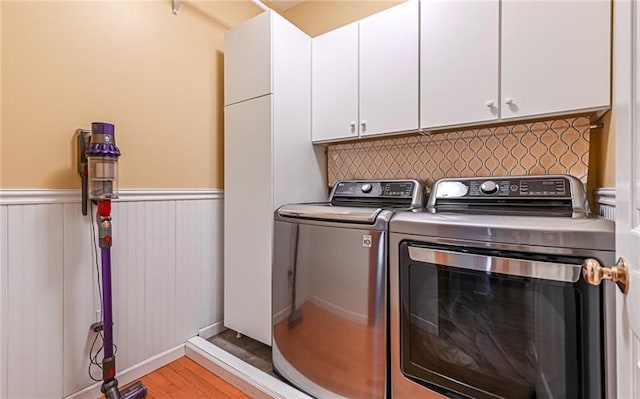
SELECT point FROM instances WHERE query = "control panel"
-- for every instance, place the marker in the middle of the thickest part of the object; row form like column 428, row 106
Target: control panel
column 509, row 187
column 369, row 189
column 548, row 195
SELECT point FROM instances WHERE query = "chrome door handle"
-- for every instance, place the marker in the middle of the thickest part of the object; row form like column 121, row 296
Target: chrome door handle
column 568, row 273
column 594, row 273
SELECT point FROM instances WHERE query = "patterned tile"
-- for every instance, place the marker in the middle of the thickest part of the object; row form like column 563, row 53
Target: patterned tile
column 554, row 146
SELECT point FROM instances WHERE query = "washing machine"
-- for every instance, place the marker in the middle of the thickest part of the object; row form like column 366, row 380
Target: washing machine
column 330, row 288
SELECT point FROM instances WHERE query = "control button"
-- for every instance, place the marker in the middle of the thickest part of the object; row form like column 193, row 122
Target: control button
column 489, row 187
column 366, row 187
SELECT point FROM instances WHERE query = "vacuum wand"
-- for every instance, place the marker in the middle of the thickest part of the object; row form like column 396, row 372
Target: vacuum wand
column 110, row 383
column 104, row 242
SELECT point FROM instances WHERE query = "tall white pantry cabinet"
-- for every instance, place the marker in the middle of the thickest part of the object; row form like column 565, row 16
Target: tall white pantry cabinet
column 268, row 158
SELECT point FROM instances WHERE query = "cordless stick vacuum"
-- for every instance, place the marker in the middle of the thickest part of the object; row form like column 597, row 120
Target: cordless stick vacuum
column 102, row 155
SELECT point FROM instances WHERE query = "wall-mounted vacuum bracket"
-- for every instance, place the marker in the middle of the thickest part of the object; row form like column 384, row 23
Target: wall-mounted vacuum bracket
column 82, row 141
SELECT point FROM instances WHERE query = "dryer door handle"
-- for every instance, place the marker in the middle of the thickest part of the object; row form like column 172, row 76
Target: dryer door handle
column 493, row 264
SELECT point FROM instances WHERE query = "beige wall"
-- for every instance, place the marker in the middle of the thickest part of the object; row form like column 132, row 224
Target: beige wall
column 602, row 154
column 316, row 17
column 156, row 76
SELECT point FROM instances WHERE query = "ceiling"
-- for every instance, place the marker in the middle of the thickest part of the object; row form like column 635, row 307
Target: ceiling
column 283, row 5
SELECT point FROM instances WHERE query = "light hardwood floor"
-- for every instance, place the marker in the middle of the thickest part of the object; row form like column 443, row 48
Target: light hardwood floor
column 186, row 379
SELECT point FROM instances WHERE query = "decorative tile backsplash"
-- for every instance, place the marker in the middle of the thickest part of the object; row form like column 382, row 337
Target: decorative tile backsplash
column 549, row 147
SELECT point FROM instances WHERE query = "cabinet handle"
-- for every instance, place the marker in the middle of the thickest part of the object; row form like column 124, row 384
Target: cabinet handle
column 508, row 101
column 490, row 104
column 363, row 125
column 352, row 125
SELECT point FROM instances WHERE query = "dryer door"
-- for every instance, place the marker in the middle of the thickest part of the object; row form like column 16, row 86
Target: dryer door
column 488, row 323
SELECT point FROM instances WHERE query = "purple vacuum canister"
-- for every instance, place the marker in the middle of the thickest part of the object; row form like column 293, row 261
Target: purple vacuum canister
column 102, row 154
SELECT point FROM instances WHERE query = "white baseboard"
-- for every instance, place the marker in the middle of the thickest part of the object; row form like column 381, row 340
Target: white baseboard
column 134, row 372
column 212, row 330
column 249, row 379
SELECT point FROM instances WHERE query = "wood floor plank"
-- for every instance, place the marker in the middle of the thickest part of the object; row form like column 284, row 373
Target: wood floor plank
column 186, row 379
column 172, row 388
column 220, row 384
column 205, row 386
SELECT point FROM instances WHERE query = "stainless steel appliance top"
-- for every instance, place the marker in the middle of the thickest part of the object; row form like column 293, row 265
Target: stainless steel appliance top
column 360, row 201
column 524, row 231
column 544, row 195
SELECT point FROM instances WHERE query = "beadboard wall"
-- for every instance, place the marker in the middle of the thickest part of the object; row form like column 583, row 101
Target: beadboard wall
column 167, row 283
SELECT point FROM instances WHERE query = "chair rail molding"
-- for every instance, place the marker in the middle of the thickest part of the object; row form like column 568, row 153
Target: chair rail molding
column 67, row 196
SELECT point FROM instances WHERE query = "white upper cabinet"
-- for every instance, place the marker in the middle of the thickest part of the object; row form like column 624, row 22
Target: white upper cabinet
column 555, row 57
column 334, row 95
column 365, row 76
column 247, row 60
column 459, row 59
column 445, row 63
column 389, row 70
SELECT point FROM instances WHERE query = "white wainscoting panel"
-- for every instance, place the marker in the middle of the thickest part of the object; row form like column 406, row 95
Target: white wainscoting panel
column 211, row 255
column 166, row 277
column 81, row 301
column 35, row 292
column 196, row 257
column 159, row 276
column 189, row 241
column 133, row 241
column 3, row 302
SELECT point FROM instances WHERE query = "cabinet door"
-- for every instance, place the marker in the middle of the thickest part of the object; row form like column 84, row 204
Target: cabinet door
column 555, row 56
column 389, row 70
column 248, row 218
column 247, row 60
column 334, row 96
column 459, row 58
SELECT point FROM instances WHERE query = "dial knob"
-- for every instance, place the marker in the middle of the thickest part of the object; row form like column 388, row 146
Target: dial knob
column 489, row 187
column 366, row 187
